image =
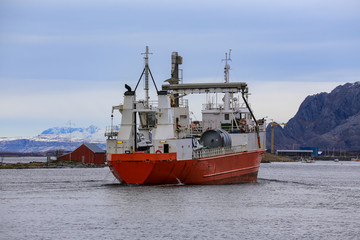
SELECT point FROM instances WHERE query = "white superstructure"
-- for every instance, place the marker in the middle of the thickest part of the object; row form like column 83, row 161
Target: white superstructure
column 164, row 127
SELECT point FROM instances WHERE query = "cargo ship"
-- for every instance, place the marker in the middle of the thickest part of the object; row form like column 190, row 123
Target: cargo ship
column 157, row 143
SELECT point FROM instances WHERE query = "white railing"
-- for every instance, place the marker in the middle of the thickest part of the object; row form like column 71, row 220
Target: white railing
column 215, row 106
column 210, row 152
column 112, row 131
column 182, row 103
column 153, row 104
column 197, row 130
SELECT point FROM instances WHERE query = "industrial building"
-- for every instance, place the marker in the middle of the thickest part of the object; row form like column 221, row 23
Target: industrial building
column 295, row 153
column 314, row 149
column 87, row 153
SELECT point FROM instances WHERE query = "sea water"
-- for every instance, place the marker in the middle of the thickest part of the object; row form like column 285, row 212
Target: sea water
column 290, row 201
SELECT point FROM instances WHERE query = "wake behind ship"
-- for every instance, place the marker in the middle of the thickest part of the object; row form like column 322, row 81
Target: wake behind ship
column 156, row 143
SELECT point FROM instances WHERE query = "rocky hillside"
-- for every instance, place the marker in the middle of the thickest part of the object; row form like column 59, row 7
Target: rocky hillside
column 325, row 120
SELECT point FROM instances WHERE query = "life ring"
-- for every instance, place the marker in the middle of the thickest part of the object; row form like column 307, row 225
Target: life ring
column 158, row 151
column 243, row 121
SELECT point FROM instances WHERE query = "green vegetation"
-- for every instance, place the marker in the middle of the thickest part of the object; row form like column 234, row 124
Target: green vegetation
column 269, row 157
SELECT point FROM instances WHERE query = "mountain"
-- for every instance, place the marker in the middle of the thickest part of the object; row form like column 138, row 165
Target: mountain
column 325, row 120
column 66, row 130
column 54, row 139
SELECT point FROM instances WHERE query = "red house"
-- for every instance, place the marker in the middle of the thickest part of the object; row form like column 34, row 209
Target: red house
column 88, row 153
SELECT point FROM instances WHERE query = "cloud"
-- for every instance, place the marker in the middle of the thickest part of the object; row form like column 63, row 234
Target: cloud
column 313, row 45
column 262, row 4
column 281, row 100
column 87, row 103
column 278, row 100
column 133, row 38
column 58, row 99
column 297, row 46
column 340, row 75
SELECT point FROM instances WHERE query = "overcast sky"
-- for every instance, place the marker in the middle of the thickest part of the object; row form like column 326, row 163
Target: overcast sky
column 64, row 60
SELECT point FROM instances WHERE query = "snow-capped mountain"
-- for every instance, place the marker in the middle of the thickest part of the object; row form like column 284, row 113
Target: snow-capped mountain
column 55, row 138
column 91, row 133
column 66, row 130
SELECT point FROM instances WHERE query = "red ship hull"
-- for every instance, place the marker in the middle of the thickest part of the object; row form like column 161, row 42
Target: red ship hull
column 163, row 168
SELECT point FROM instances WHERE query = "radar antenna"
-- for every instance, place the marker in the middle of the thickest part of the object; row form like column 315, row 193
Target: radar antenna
column 227, row 66
column 146, row 88
column 226, row 78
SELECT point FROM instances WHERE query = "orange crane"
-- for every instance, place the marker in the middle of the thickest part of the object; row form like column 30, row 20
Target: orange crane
column 272, row 133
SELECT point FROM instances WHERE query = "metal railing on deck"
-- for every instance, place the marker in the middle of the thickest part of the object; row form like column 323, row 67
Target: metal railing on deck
column 182, row 103
column 153, row 104
column 215, row 106
column 112, row 131
column 211, row 152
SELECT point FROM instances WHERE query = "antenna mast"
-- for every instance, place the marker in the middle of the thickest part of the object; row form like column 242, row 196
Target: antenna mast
column 226, row 78
column 146, row 88
column 227, row 66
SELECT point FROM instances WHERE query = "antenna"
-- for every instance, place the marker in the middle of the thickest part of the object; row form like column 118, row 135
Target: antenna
column 226, row 78
column 146, row 71
column 227, row 66
column 146, row 88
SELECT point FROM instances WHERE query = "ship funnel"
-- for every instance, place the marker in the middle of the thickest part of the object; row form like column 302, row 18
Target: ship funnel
column 176, row 60
column 128, row 87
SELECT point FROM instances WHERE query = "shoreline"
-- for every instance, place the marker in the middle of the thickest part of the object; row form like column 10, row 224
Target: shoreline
column 269, row 157
column 52, row 164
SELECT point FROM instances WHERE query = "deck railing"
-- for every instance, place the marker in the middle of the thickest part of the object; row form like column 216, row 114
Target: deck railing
column 211, row 152
column 182, row 103
column 112, row 131
column 216, row 106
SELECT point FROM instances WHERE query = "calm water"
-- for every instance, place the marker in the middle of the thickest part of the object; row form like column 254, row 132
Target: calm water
column 290, row 201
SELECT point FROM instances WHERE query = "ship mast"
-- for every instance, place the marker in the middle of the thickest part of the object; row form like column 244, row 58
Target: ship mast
column 146, row 88
column 226, row 78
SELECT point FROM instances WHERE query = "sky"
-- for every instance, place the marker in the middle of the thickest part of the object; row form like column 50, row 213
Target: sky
column 68, row 60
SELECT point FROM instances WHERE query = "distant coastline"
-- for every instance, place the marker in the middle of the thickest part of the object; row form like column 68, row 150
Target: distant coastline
column 51, row 164
column 269, row 157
